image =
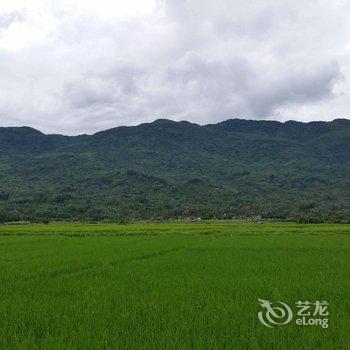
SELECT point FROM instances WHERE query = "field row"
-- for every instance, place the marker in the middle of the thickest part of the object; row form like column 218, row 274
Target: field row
column 185, row 228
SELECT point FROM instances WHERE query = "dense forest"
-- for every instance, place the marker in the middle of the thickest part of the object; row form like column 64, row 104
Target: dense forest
column 173, row 170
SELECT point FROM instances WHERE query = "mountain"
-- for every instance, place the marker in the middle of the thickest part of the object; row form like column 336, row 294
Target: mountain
column 25, row 140
column 167, row 169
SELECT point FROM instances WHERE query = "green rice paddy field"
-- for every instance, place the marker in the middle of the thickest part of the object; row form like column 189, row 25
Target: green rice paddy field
column 170, row 285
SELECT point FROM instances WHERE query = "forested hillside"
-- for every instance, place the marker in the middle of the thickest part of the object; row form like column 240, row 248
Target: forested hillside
column 166, row 169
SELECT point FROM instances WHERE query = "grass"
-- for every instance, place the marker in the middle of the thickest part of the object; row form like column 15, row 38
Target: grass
column 170, row 286
column 178, row 228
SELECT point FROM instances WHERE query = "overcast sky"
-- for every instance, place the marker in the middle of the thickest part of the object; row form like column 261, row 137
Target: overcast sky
column 80, row 66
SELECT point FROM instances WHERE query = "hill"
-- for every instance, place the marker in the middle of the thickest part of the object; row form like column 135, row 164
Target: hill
column 166, row 169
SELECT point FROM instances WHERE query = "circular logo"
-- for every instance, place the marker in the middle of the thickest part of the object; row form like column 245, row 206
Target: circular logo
column 274, row 315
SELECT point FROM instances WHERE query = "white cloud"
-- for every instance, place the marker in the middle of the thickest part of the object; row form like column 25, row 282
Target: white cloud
column 80, row 66
column 108, row 9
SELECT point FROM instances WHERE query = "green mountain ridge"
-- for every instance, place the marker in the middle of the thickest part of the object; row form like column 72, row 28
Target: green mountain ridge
column 167, row 169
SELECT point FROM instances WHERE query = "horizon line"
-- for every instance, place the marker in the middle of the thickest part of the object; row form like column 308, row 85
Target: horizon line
column 178, row 122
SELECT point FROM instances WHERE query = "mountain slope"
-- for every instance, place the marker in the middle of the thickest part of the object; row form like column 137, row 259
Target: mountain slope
column 179, row 169
column 25, row 140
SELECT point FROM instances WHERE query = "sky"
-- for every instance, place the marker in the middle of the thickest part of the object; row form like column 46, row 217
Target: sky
column 72, row 66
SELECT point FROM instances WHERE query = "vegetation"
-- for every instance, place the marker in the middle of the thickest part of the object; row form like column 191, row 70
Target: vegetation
column 169, row 285
column 164, row 170
column 221, row 228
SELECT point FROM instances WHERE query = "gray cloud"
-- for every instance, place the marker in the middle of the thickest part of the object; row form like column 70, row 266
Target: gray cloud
column 202, row 61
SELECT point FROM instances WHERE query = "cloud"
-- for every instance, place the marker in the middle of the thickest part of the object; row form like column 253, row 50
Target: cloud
column 73, row 68
column 7, row 19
